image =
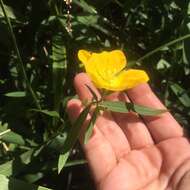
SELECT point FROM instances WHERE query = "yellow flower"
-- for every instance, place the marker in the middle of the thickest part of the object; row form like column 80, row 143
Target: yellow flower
column 106, row 70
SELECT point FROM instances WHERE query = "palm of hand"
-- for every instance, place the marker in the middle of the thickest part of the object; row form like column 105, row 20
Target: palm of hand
column 128, row 153
column 151, row 168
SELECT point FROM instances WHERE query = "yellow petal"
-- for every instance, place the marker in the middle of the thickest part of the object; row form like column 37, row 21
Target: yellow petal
column 118, row 59
column 103, row 68
column 106, row 64
column 84, row 56
column 134, row 77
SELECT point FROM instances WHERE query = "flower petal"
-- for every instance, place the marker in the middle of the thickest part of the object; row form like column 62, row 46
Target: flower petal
column 118, row 59
column 104, row 69
column 134, row 77
column 84, row 56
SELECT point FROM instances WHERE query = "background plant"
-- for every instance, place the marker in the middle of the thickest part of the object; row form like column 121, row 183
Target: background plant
column 32, row 136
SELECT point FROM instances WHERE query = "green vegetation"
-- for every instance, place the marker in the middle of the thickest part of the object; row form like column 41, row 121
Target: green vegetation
column 38, row 61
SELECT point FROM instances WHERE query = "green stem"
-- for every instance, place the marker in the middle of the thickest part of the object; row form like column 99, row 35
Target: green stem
column 153, row 52
column 20, row 62
column 162, row 46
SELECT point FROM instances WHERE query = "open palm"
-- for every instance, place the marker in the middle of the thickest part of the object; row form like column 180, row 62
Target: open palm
column 127, row 152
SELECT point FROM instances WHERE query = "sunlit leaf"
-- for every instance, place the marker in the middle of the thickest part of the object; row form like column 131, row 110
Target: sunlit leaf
column 12, row 137
column 115, row 106
column 18, row 164
column 163, row 64
column 9, row 11
column 62, row 160
column 125, row 107
column 142, row 110
column 17, row 94
column 181, row 94
column 15, row 184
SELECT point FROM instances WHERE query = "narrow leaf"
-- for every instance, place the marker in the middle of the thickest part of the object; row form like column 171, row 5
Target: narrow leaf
column 124, row 107
column 90, row 126
column 62, row 160
column 47, row 112
column 17, row 94
column 14, row 184
column 85, row 6
column 72, row 138
column 18, row 164
column 115, row 106
column 75, row 163
column 181, row 94
column 147, row 111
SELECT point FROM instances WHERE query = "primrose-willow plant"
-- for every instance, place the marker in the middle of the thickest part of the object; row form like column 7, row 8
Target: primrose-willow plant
column 108, row 72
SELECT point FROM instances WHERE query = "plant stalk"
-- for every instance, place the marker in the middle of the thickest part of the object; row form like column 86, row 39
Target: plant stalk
column 162, row 46
column 20, row 62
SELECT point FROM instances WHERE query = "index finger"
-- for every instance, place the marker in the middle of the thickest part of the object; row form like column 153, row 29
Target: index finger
column 161, row 127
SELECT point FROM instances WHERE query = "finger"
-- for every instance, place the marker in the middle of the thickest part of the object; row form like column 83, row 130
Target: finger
column 132, row 126
column 161, row 127
column 81, row 82
column 74, row 108
column 114, row 134
column 105, row 123
column 99, row 153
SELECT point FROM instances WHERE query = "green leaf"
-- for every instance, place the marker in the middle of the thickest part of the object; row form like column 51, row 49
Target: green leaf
column 115, row 106
column 72, row 138
column 57, row 142
column 17, row 94
column 163, row 64
column 14, row 184
column 47, row 112
column 90, row 126
column 9, row 11
column 13, row 167
column 58, row 52
column 89, row 20
column 62, row 160
column 124, row 107
column 85, row 6
column 142, row 110
column 181, row 94
column 75, row 163
column 59, row 68
column 10, row 136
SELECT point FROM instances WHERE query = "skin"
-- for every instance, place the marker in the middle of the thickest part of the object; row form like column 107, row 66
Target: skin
column 128, row 152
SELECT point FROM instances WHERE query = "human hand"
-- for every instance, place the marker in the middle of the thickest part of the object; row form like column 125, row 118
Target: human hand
column 126, row 152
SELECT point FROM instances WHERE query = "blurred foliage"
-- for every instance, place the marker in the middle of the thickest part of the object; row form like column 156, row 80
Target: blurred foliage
column 31, row 139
